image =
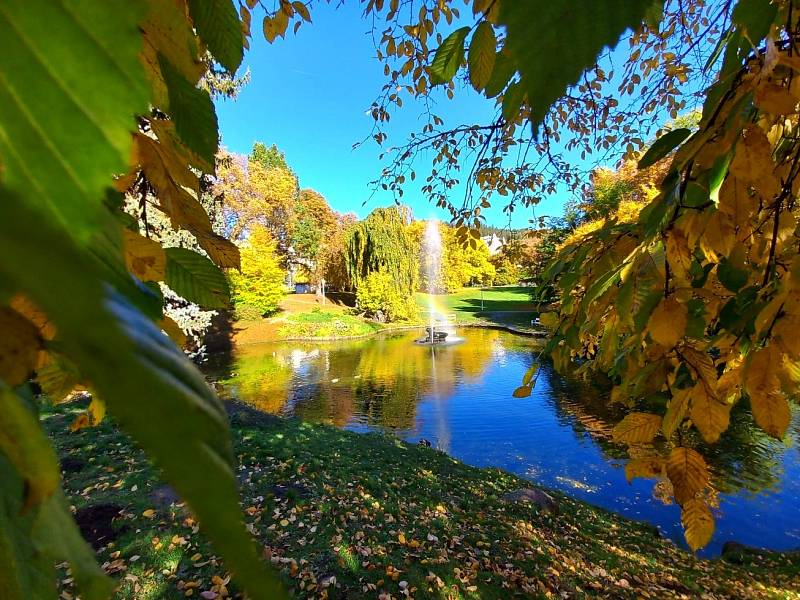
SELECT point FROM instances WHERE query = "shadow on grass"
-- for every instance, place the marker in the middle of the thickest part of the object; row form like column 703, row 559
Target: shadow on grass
column 378, row 516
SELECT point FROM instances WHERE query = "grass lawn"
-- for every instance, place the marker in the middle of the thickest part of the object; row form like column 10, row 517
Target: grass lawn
column 344, row 515
column 506, row 305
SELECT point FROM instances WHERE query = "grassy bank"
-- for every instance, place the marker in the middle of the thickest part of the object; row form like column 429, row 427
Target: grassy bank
column 323, row 324
column 348, row 516
column 304, row 316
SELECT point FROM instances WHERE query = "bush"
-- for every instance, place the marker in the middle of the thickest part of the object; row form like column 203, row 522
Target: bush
column 260, row 285
column 247, row 312
column 379, row 298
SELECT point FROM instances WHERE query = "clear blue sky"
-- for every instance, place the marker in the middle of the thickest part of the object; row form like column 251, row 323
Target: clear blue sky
column 309, row 95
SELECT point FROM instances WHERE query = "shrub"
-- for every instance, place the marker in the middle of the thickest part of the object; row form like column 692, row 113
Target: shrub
column 380, row 298
column 260, row 285
column 248, row 312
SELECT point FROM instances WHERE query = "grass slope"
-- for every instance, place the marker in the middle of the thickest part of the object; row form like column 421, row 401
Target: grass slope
column 350, row 516
column 501, row 305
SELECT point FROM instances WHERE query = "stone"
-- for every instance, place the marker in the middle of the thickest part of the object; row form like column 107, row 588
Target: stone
column 542, row 500
column 737, row 553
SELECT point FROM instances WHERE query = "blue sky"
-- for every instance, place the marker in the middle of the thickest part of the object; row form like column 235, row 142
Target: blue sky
column 309, row 95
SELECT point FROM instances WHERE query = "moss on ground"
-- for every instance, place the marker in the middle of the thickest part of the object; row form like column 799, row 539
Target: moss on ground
column 344, row 515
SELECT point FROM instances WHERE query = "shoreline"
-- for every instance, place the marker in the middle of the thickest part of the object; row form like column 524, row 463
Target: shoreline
column 388, row 329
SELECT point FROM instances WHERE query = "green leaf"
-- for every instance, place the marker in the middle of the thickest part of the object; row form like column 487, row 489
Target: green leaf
column 554, row 41
column 512, row 100
column 481, row 55
column 504, row 69
column 151, row 388
column 663, row 146
column 56, row 535
column 192, row 111
column 24, row 573
column 70, row 86
column 754, row 18
column 34, row 539
column 196, row 278
column 731, row 277
column 646, row 307
column 24, row 444
column 218, row 25
column 448, row 57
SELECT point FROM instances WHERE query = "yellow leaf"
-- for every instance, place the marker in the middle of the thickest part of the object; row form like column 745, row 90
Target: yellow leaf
column 172, row 329
column 526, row 379
column 688, row 473
column 775, row 99
column 770, row 408
column 81, row 421
column 667, row 323
column 678, row 253
column 637, row 428
column 738, row 204
column 522, row 391
column 149, row 513
column 20, row 345
column 30, row 311
column 698, row 523
column 302, row 10
column 401, row 538
column 709, row 415
column 169, row 179
column 786, row 328
column 97, row 410
column 702, row 367
column 676, row 411
column 481, row 55
column 144, row 258
column 752, row 162
column 57, row 379
column 772, row 413
column 650, row 467
column 549, row 319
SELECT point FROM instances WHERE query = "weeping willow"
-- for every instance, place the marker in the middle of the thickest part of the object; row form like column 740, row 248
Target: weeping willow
column 382, row 241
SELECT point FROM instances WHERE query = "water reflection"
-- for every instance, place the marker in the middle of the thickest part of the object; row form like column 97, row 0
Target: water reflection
column 458, row 397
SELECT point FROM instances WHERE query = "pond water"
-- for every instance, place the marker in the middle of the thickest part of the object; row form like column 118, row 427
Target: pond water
column 459, row 398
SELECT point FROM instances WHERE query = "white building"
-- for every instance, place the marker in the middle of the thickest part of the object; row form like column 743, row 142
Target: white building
column 494, row 242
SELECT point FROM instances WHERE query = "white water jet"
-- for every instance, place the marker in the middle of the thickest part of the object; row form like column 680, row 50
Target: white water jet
column 432, row 260
column 432, row 256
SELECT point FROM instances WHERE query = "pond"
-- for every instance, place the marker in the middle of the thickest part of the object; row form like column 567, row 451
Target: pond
column 459, row 398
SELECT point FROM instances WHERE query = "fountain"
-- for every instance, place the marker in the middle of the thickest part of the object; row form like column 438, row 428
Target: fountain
column 432, row 254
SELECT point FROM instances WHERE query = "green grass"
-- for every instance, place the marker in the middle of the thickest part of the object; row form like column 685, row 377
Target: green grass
column 500, row 305
column 381, row 516
column 319, row 323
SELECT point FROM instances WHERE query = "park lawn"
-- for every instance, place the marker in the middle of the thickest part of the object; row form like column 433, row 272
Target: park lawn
column 344, row 515
column 303, row 316
column 507, row 305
